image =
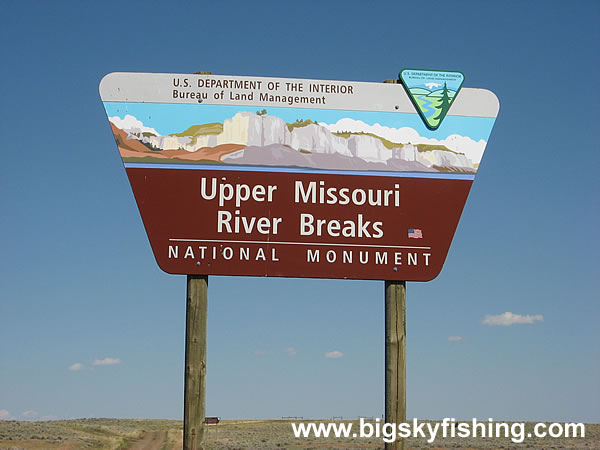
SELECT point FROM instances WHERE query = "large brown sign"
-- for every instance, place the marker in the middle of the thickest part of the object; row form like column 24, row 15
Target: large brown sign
column 296, row 178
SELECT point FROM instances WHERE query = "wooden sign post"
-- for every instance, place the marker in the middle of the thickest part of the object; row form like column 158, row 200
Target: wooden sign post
column 395, row 357
column 194, row 399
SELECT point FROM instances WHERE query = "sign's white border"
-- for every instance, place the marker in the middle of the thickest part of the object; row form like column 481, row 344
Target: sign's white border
column 365, row 96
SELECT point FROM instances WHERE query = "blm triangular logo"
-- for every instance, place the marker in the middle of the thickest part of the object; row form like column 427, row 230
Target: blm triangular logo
column 432, row 92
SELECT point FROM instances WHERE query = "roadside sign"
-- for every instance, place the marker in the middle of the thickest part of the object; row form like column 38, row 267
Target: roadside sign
column 260, row 176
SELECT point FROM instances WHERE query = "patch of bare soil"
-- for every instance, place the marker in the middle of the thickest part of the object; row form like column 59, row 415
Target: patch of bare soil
column 153, row 440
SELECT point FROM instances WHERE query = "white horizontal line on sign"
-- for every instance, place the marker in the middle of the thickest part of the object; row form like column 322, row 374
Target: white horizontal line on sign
column 240, row 168
column 298, row 243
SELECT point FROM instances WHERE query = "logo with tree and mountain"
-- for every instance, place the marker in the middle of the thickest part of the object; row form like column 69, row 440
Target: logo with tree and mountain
column 432, row 92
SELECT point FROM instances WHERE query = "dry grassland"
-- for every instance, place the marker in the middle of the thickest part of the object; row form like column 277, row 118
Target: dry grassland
column 85, row 433
column 247, row 434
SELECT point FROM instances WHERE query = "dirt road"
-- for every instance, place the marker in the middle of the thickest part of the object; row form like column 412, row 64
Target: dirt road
column 153, row 440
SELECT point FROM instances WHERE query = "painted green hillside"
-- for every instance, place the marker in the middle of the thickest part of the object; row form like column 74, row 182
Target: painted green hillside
column 419, row 91
column 428, row 148
column 299, row 123
column 197, row 130
column 201, row 130
column 387, row 143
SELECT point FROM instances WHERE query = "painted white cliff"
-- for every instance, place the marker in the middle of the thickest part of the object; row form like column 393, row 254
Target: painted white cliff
column 316, row 139
column 238, row 130
column 368, row 148
column 431, row 158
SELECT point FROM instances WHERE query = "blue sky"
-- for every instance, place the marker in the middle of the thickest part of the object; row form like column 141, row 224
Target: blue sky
column 79, row 285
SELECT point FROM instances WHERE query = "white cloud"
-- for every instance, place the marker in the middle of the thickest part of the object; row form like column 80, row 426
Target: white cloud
column 509, row 318
column 106, row 362
column 30, row 414
column 291, row 351
column 461, row 144
column 261, row 352
column 455, row 338
column 75, row 367
column 334, row 354
column 402, row 135
column 130, row 123
column 5, row 415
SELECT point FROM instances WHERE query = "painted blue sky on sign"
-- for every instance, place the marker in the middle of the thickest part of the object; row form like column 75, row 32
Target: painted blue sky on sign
column 175, row 118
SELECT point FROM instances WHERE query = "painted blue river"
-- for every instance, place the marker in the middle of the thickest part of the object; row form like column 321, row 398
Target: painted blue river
column 427, row 107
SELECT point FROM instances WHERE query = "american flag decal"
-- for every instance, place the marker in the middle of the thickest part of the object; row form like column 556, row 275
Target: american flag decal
column 415, row 233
